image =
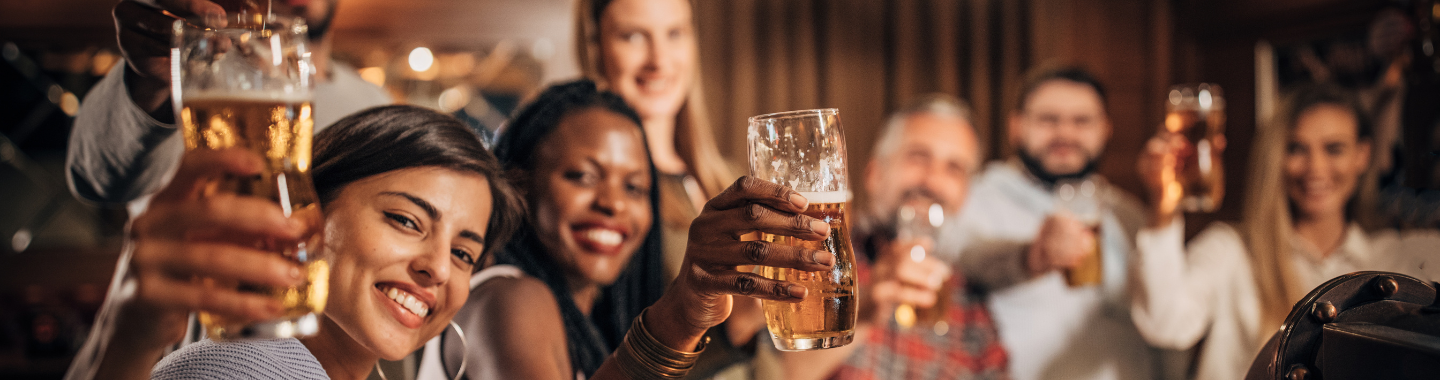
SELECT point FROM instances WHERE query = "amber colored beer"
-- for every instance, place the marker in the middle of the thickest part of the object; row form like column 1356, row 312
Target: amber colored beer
column 281, row 132
column 826, row 318
column 1089, row 271
column 1200, row 118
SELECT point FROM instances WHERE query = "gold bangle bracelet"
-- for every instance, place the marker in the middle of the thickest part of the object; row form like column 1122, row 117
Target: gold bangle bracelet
column 644, row 357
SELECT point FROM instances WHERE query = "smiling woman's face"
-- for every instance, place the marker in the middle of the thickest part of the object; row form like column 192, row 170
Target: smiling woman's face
column 1324, row 160
column 649, row 51
column 403, row 244
column 590, row 194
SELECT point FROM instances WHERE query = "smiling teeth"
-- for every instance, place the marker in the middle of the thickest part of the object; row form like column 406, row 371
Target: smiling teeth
column 407, row 301
column 604, row 236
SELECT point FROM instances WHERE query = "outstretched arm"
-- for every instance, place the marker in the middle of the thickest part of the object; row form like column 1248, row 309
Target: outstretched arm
column 182, row 238
column 700, row 297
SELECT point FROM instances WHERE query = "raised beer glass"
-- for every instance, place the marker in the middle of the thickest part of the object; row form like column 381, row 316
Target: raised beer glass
column 1197, row 112
column 1081, row 200
column 805, row 150
column 918, row 221
column 250, row 86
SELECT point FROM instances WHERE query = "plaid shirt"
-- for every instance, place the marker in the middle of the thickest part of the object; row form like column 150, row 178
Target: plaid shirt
column 969, row 348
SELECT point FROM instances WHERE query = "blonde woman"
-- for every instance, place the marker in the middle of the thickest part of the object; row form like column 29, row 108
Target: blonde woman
column 1232, row 285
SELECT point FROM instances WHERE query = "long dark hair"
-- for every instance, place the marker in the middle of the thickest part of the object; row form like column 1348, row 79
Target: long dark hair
column 388, row 138
column 589, row 340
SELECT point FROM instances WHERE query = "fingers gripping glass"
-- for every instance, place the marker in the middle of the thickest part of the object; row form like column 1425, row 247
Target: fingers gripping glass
column 251, row 87
column 805, row 150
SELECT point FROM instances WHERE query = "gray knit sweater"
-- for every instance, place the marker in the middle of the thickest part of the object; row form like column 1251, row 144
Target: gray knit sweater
column 255, row 359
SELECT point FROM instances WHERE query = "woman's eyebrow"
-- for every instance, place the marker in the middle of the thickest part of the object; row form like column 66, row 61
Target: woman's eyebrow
column 429, row 208
column 468, row 234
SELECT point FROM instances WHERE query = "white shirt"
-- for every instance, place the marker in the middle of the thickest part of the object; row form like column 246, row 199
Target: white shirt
column 1210, row 291
column 1050, row 330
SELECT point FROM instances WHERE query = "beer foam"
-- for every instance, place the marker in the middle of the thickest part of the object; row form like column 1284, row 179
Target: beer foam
column 826, row 196
column 248, row 96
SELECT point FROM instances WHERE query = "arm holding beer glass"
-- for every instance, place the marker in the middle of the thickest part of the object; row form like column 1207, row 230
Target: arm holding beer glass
column 125, row 143
column 1062, row 243
column 184, row 236
column 701, row 297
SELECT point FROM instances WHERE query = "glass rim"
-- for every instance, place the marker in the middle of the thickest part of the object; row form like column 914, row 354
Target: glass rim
column 289, row 24
column 796, row 113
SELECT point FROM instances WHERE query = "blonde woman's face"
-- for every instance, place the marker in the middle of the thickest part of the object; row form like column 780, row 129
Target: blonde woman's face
column 648, row 54
column 1324, row 160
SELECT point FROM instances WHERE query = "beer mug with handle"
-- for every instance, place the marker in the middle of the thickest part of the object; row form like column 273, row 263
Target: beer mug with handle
column 1197, row 112
column 805, row 150
column 250, row 86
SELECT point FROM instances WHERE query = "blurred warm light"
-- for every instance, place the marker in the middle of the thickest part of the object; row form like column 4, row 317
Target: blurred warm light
column 455, row 65
column 542, row 49
column 454, row 98
column 102, row 62
column 374, row 75
column 69, row 103
column 421, row 59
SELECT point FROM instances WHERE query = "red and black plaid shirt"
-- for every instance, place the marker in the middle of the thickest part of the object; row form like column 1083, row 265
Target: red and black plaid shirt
column 969, row 347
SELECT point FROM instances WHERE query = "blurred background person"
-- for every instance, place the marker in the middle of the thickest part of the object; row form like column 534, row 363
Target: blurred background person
column 1017, row 243
column 1234, row 284
column 926, row 153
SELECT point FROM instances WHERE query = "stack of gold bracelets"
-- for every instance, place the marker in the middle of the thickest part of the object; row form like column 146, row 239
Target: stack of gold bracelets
column 644, row 357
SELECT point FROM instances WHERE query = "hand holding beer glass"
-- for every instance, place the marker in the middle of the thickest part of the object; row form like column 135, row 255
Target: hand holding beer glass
column 250, row 87
column 805, row 151
column 1080, row 199
column 917, row 224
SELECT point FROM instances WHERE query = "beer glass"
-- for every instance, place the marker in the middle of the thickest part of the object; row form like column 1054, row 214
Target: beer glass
column 1197, row 112
column 805, row 150
column 1081, row 199
column 251, row 88
column 918, row 221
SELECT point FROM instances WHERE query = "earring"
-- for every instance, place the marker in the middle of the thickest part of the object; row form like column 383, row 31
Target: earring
column 464, row 350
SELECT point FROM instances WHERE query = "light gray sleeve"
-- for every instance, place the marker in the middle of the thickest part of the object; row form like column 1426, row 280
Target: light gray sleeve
column 117, row 152
column 994, row 264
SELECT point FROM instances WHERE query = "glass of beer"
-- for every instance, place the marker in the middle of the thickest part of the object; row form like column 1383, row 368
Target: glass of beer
column 805, row 150
column 917, row 223
column 1197, row 112
column 1081, row 200
column 251, row 87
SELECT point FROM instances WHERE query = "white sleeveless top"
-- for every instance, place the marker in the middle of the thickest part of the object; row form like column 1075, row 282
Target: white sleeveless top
column 430, row 367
